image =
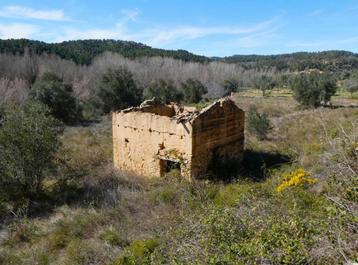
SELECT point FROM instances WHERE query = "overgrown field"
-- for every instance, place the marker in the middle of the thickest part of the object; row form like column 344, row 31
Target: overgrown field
column 293, row 202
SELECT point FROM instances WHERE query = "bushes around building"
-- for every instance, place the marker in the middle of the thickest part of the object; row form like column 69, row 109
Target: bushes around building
column 28, row 143
column 258, row 123
column 164, row 91
column 116, row 90
column 58, row 96
column 313, row 89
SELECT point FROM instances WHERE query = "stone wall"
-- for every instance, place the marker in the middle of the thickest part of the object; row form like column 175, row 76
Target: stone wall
column 218, row 132
column 141, row 140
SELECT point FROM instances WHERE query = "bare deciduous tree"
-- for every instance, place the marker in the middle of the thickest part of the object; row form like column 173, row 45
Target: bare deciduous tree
column 145, row 70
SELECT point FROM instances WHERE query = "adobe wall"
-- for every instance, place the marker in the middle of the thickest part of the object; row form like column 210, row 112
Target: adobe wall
column 140, row 139
column 217, row 132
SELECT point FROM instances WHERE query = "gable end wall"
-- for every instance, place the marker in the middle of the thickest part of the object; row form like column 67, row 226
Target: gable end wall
column 217, row 132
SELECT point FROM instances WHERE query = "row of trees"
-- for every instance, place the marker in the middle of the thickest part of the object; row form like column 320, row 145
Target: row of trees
column 18, row 72
column 337, row 62
column 84, row 51
column 130, row 81
column 115, row 90
column 311, row 89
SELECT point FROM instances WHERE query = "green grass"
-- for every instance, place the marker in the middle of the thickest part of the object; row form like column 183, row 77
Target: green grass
column 109, row 218
column 277, row 92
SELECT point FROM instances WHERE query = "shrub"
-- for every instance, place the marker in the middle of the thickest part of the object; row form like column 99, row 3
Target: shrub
column 193, row 90
column 230, row 85
column 258, row 124
column 230, row 194
column 113, row 238
column 58, row 97
column 351, row 85
column 139, row 252
column 28, row 142
column 313, row 89
column 298, row 177
column 22, row 232
column 264, row 83
column 79, row 252
column 71, row 228
column 223, row 232
column 116, row 90
column 164, row 91
column 165, row 194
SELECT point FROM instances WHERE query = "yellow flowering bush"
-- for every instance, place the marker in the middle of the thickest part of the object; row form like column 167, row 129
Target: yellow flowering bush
column 297, row 177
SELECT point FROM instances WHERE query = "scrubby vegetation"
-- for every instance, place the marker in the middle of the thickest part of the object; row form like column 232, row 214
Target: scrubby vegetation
column 331, row 61
column 81, row 64
column 193, row 91
column 116, row 90
column 265, row 83
column 313, row 89
column 164, row 91
column 258, row 123
column 231, row 85
column 293, row 202
column 351, row 84
column 28, row 143
column 50, row 90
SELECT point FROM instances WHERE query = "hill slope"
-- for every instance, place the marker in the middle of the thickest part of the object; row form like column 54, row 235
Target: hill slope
column 83, row 51
column 326, row 60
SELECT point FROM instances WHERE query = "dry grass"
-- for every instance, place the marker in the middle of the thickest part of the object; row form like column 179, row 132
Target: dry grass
column 274, row 107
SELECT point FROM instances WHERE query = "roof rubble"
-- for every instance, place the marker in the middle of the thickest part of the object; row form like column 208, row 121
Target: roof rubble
column 177, row 112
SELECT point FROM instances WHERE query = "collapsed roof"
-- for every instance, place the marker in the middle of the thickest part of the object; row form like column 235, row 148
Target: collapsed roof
column 174, row 110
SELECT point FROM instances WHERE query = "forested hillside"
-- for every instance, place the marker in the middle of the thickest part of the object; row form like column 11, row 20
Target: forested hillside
column 83, row 51
column 334, row 61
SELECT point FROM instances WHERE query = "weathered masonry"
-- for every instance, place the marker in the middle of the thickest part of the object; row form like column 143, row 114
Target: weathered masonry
column 151, row 138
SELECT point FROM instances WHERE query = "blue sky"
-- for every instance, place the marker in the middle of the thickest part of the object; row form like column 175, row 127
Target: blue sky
column 211, row 27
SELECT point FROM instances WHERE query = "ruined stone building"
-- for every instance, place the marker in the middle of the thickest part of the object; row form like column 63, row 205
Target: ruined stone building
column 150, row 139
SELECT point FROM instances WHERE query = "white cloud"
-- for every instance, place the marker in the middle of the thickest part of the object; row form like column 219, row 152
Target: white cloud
column 256, row 39
column 17, row 30
column 162, row 36
column 251, row 35
column 31, row 13
column 130, row 14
